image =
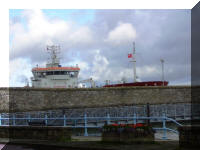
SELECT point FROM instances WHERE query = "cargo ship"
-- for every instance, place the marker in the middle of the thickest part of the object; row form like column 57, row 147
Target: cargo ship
column 135, row 82
column 147, row 83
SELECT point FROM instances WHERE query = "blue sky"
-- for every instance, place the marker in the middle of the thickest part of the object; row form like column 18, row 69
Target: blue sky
column 79, row 16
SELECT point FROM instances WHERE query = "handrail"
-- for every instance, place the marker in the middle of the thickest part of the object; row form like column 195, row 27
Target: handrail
column 86, row 120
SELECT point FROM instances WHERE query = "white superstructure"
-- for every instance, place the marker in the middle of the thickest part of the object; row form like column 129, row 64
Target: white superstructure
column 54, row 75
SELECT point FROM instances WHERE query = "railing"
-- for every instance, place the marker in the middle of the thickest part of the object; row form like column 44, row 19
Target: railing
column 86, row 121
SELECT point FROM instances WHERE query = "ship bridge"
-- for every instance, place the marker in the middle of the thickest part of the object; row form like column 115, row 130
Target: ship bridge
column 54, row 75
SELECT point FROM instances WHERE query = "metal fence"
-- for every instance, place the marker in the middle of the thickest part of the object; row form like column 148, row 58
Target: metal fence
column 89, row 122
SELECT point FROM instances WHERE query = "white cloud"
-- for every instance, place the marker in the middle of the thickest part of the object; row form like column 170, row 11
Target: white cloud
column 81, row 36
column 39, row 25
column 100, row 68
column 84, row 66
column 148, row 71
column 40, row 30
column 126, row 72
column 121, row 35
column 20, row 71
column 97, row 68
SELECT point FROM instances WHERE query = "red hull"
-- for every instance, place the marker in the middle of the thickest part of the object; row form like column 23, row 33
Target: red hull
column 148, row 83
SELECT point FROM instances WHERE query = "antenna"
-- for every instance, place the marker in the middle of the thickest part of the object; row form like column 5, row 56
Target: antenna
column 162, row 62
column 134, row 63
column 133, row 47
column 54, row 50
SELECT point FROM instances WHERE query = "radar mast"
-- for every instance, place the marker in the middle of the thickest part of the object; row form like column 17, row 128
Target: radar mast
column 53, row 60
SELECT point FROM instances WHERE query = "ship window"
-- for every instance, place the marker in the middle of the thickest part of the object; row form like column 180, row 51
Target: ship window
column 56, row 72
column 71, row 74
column 42, row 74
column 49, row 73
column 65, row 72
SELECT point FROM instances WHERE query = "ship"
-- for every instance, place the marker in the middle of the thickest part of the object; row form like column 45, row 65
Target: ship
column 135, row 82
column 55, row 75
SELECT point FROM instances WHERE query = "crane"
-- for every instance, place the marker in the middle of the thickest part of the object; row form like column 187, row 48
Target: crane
column 90, row 80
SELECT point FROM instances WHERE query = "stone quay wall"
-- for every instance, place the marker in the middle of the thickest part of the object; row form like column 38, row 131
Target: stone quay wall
column 36, row 99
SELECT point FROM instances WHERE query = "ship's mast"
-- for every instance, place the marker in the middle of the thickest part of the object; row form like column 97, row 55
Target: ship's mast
column 134, row 63
column 162, row 62
column 53, row 50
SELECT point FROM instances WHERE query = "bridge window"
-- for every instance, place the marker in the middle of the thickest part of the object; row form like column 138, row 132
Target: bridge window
column 73, row 73
column 43, row 74
column 40, row 74
column 56, row 72
column 49, row 73
column 64, row 72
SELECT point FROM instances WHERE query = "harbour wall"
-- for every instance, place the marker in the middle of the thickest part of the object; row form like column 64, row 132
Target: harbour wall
column 36, row 99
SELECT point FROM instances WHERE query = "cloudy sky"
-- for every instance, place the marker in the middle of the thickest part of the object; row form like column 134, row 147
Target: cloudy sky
column 99, row 42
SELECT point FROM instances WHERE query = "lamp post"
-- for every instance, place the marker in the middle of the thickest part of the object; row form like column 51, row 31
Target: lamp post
column 162, row 62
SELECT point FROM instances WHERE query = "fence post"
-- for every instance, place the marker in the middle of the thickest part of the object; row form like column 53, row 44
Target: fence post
column 108, row 119
column 134, row 119
column 46, row 119
column 148, row 114
column 164, row 127
column 29, row 118
column 85, row 124
column 64, row 117
column 184, row 112
column 175, row 112
column 13, row 118
column 0, row 119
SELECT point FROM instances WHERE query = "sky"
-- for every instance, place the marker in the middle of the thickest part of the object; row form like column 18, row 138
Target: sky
column 99, row 41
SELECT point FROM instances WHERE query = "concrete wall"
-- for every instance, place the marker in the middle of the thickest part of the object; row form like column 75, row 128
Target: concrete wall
column 32, row 133
column 189, row 136
column 29, row 99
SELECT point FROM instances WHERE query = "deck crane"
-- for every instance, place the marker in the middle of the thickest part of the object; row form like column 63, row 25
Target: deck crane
column 90, row 80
